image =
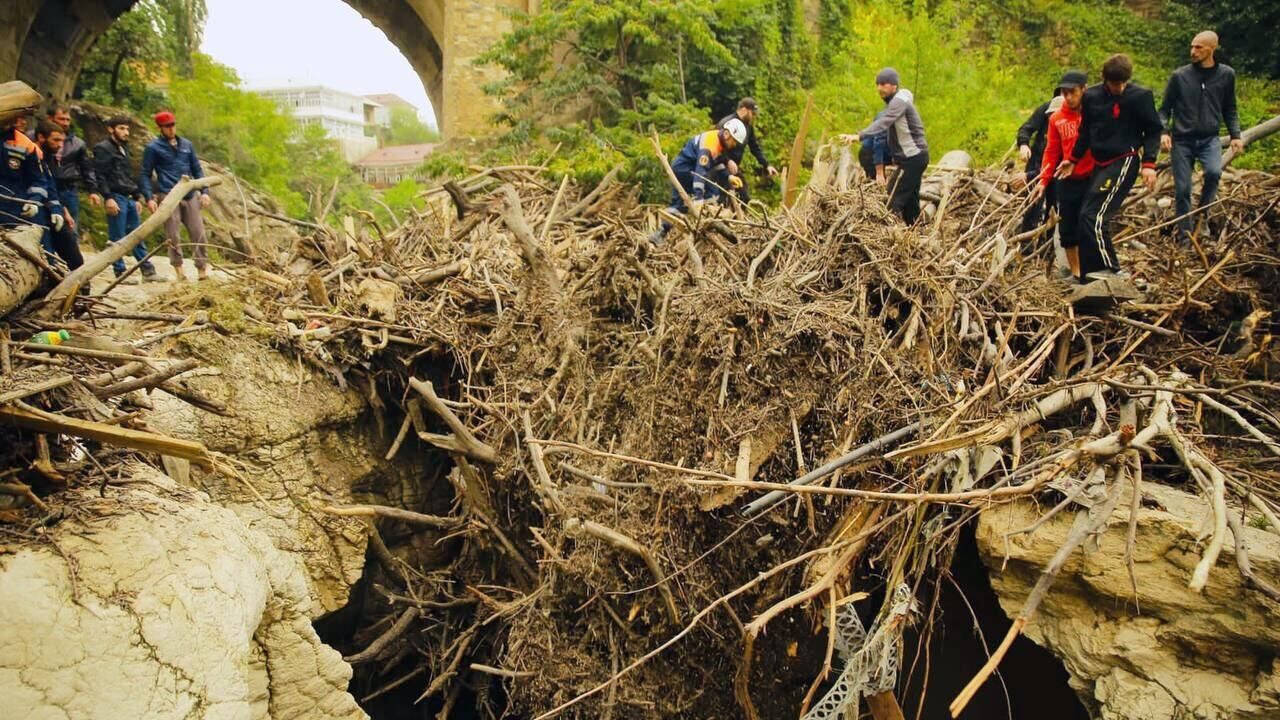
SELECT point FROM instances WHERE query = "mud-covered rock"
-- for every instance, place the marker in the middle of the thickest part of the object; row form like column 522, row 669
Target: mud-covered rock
column 301, row 443
column 1173, row 654
column 162, row 605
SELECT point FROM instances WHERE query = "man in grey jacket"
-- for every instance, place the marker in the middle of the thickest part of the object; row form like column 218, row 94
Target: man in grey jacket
column 907, row 143
column 1199, row 99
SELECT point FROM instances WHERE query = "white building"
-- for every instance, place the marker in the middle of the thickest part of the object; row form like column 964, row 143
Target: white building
column 345, row 117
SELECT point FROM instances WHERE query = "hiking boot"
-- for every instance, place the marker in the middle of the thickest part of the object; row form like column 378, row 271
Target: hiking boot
column 656, row 237
column 149, row 275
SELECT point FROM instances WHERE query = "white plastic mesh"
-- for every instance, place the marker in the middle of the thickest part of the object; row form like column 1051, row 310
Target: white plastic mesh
column 870, row 664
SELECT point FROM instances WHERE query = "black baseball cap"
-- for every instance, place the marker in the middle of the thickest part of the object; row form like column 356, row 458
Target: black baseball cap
column 749, row 103
column 1073, row 78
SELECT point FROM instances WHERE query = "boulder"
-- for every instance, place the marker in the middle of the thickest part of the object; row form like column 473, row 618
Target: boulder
column 301, row 443
column 1172, row 654
column 161, row 605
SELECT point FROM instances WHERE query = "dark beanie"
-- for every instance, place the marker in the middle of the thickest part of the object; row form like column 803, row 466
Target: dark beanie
column 119, row 120
column 887, row 76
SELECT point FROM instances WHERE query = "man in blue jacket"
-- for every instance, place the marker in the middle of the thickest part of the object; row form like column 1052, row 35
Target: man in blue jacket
column 1199, row 100
column 168, row 158
column 22, row 187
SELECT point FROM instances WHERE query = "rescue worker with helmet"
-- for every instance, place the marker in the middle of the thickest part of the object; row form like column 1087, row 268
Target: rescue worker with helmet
column 694, row 166
column 23, row 191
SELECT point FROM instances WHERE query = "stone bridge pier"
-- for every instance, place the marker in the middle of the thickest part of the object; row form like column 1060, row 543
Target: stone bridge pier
column 44, row 42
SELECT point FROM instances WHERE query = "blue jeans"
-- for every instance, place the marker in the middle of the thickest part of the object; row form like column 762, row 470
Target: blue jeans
column 1186, row 151
column 71, row 201
column 123, row 223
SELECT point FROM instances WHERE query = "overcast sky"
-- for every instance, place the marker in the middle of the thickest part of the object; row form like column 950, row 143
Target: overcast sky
column 309, row 42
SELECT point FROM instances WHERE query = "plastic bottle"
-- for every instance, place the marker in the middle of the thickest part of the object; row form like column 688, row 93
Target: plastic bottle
column 51, row 337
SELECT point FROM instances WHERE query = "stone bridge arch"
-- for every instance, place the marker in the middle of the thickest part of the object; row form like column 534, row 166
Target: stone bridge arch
column 44, row 42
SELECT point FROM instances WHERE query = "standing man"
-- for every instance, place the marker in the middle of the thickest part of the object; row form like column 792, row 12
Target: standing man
column 907, row 143
column 169, row 158
column 1199, row 99
column 694, row 165
column 1069, row 191
column 1119, row 125
column 74, row 168
column 60, row 228
column 1031, row 143
column 747, row 112
column 22, row 190
column 123, row 199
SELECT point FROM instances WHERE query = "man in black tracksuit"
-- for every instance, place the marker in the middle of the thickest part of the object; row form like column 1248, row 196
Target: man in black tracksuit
column 1120, row 126
column 1199, row 99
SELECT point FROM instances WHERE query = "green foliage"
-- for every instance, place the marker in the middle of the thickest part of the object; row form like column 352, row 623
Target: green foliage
column 408, row 129
column 402, row 199
column 261, row 143
column 138, row 49
column 590, row 77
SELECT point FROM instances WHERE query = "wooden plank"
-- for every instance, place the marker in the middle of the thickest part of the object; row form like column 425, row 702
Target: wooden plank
column 28, row 391
column 88, row 353
column 41, row 421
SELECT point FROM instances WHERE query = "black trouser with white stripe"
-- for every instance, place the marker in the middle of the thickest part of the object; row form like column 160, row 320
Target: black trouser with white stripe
column 1108, row 187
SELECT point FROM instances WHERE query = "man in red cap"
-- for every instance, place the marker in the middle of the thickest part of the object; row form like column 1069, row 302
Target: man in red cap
column 169, row 158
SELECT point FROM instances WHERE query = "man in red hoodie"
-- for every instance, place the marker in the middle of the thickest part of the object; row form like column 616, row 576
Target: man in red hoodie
column 1060, row 137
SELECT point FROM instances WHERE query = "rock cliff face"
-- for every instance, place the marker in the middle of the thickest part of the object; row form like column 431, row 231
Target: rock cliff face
column 302, row 444
column 162, row 605
column 1180, row 655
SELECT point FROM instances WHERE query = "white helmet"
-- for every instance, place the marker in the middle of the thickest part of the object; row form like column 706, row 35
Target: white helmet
column 737, row 129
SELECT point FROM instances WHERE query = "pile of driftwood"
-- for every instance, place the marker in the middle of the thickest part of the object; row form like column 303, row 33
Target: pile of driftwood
column 74, row 409
column 657, row 453
column 774, row 421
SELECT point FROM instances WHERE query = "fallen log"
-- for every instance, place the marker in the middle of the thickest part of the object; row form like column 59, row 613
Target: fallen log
column 59, row 299
column 19, row 275
column 17, row 99
column 30, row 418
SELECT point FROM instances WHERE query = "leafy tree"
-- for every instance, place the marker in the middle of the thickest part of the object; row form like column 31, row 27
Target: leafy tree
column 596, row 59
column 260, row 142
column 154, row 38
column 408, row 129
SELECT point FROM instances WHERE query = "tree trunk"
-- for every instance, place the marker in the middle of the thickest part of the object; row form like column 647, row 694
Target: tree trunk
column 19, row 277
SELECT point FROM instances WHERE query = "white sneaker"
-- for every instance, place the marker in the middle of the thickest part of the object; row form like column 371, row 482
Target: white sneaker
column 1109, row 275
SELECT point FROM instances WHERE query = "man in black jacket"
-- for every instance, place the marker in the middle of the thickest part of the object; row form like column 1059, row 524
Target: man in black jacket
column 1031, row 139
column 118, row 183
column 74, row 167
column 1199, row 99
column 60, row 236
column 748, row 110
column 1120, row 126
